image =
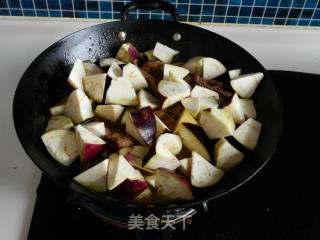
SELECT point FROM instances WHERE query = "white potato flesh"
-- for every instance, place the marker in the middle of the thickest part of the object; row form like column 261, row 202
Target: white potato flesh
column 173, row 77
column 235, row 109
column 217, row 123
column 185, row 167
column 121, row 92
column 78, row 107
column 94, row 178
column 88, row 144
column 76, row 75
column 144, row 197
column 195, row 105
column 191, row 142
column 114, row 71
column 132, row 130
column 127, row 53
column 195, row 65
column 149, row 55
column 91, row 68
column 110, row 112
column 160, row 127
column 59, row 123
column 126, row 113
column 248, row 133
column 171, row 187
column 170, row 142
column 192, row 105
column 94, row 86
column 139, row 151
column 179, row 72
column 61, row 145
column 146, row 99
column 133, row 74
column 226, row 156
column 169, row 88
column 245, row 85
column 106, row 62
column 212, row 68
column 136, row 176
column 160, row 161
column 235, row 73
column 164, row 53
column 203, row 173
column 174, row 99
column 151, row 180
column 58, row 108
column 185, row 117
column 119, row 170
column 97, row 128
column 199, row 91
column 248, row 108
column 87, row 136
column 208, row 103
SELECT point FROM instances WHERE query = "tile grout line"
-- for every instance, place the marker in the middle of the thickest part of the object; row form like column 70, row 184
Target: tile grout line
column 34, row 5
column 264, row 11
column 98, row 9
column 314, row 11
column 214, row 11
column 47, row 5
column 150, row 15
column 227, row 8
column 21, row 7
column 240, row 6
column 60, row 8
column 304, row 4
column 87, row 16
column 275, row 16
column 238, row 13
column 9, row 8
column 73, row 11
column 188, row 11
column 201, row 11
column 285, row 23
column 253, row 5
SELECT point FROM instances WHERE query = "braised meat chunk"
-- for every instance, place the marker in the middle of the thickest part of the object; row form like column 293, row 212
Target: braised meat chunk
column 120, row 140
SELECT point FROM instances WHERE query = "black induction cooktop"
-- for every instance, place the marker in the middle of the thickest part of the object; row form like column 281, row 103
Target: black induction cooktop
column 281, row 202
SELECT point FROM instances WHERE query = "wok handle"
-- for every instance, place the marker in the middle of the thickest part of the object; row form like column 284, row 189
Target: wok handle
column 149, row 5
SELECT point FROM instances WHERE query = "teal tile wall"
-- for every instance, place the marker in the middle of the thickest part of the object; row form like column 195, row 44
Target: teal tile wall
column 266, row 12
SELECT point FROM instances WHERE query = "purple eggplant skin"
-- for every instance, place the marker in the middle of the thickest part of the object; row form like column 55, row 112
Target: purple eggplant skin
column 144, row 120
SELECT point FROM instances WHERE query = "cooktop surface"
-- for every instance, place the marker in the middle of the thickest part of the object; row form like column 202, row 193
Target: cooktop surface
column 281, row 202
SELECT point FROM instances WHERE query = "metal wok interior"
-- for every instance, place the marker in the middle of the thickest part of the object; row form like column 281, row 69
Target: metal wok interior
column 44, row 83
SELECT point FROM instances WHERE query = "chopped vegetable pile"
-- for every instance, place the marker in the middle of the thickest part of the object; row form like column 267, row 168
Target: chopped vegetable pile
column 150, row 129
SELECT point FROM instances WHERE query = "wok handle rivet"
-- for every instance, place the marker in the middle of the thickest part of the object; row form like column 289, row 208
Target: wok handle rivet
column 205, row 207
column 176, row 37
column 122, row 36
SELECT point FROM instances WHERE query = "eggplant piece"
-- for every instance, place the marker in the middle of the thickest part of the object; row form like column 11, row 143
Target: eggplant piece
column 195, row 139
column 213, row 85
column 203, row 173
column 152, row 83
column 144, row 120
column 128, row 53
column 172, row 187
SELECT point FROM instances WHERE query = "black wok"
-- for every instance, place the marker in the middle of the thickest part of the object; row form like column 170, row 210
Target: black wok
column 44, row 83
